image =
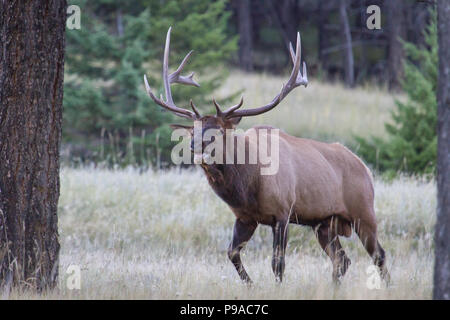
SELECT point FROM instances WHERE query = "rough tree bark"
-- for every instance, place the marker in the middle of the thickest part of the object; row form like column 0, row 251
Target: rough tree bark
column 396, row 24
column 32, row 35
column 245, row 35
column 442, row 233
column 348, row 50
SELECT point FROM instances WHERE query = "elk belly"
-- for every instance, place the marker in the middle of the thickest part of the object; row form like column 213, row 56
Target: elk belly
column 342, row 227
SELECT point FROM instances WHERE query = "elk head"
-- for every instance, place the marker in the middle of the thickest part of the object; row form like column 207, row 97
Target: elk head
column 223, row 119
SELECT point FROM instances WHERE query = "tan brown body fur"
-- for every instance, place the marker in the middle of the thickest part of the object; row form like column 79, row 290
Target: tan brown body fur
column 315, row 181
column 321, row 185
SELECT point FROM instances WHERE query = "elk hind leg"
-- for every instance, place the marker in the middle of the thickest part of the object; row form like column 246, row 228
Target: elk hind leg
column 329, row 241
column 367, row 233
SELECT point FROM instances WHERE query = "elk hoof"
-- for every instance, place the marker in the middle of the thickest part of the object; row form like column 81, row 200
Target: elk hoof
column 340, row 270
column 248, row 281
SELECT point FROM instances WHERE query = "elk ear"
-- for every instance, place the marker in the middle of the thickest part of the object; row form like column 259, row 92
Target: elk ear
column 189, row 129
column 236, row 120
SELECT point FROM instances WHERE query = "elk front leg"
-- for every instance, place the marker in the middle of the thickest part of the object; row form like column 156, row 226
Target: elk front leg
column 280, row 234
column 242, row 232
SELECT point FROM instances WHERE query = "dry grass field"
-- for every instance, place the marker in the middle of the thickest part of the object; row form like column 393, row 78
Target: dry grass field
column 164, row 235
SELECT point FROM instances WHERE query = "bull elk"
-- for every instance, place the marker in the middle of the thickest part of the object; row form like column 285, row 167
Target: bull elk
column 324, row 186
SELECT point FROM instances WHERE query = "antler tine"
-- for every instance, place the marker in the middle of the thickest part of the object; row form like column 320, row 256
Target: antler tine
column 235, row 107
column 194, row 108
column 295, row 79
column 166, row 69
column 175, row 77
column 291, row 51
column 304, row 78
column 301, row 79
column 218, row 110
column 178, row 111
column 296, row 69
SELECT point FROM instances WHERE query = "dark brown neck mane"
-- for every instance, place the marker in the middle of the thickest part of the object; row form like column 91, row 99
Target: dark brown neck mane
column 233, row 183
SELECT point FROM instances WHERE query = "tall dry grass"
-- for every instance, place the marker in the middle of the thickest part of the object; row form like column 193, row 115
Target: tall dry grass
column 164, row 235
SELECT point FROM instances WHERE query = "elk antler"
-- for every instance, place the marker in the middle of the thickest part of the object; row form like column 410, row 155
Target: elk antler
column 296, row 79
column 224, row 114
column 174, row 77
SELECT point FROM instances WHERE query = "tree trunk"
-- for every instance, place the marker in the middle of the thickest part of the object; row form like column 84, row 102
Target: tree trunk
column 245, row 35
column 32, row 35
column 322, row 41
column 348, row 50
column 273, row 12
column 442, row 233
column 288, row 15
column 119, row 22
column 396, row 25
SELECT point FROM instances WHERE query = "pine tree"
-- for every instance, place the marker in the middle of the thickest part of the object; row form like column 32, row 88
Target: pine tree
column 411, row 143
column 105, row 105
